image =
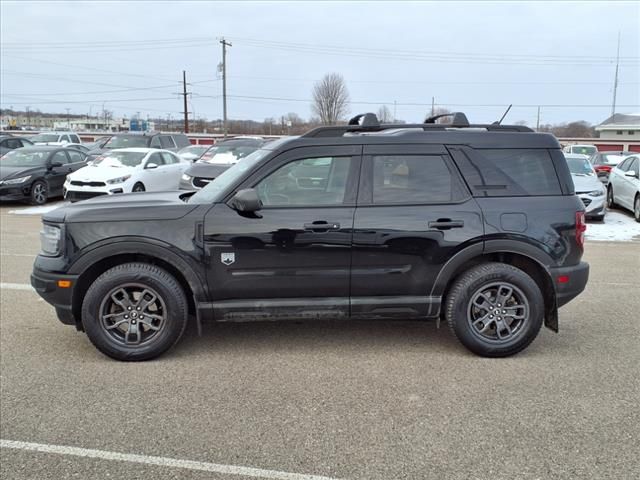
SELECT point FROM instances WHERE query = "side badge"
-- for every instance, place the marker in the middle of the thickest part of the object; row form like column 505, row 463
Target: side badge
column 227, row 258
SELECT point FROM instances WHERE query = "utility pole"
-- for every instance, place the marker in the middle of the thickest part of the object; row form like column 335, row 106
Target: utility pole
column 538, row 120
column 615, row 81
column 433, row 106
column 225, row 44
column 184, row 95
column 68, row 119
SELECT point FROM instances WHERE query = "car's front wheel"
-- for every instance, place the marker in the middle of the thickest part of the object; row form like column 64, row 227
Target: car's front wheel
column 636, row 208
column 611, row 203
column 138, row 187
column 134, row 311
column 495, row 309
column 39, row 193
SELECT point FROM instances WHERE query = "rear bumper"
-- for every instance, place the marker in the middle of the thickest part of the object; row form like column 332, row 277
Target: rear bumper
column 575, row 280
column 46, row 285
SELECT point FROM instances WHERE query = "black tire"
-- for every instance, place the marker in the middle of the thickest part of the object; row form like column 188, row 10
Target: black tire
column 110, row 309
column 462, row 315
column 610, row 199
column 138, row 187
column 599, row 218
column 636, row 208
column 39, row 193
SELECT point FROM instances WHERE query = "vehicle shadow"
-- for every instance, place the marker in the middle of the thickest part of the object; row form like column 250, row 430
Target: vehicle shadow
column 318, row 336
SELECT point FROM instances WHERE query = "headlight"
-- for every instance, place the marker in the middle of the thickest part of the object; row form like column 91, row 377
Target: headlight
column 50, row 240
column 186, row 178
column 596, row 193
column 119, row 179
column 17, row 180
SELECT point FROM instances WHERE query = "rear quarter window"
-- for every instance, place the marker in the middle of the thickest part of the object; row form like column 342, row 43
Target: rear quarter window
column 509, row 172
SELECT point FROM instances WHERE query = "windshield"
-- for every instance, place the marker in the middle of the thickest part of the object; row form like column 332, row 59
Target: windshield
column 578, row 166
column 610, row 159
column 127, row 141
column 227, row 154
column 212, row 193
column 44, row 138
column 120, row 159
column 584, row 149
column 24, row 158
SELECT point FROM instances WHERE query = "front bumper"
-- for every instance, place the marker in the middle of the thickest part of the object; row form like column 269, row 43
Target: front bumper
column 46, row 285
column 593, row 206
column 569, row 282
column 13, row 193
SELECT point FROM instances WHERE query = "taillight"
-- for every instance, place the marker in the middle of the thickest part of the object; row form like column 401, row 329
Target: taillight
column 581, row 227
column 603, row 168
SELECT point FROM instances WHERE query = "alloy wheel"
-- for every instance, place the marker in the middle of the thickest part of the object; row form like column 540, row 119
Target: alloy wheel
column 498, row 312
column 133, row 314
column 636, row 208
column 40, row 193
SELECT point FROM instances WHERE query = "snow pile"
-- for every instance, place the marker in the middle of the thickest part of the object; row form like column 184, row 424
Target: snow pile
column 38, row 210
column 618, row 226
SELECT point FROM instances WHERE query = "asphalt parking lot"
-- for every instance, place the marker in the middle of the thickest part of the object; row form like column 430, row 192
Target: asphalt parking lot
column 358, row 400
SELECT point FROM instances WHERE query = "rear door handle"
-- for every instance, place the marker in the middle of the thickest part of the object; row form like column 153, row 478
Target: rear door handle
column 446, row 224
column 321, row 226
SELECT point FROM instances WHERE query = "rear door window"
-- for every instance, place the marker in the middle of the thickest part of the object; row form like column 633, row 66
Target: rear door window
column 510, row 172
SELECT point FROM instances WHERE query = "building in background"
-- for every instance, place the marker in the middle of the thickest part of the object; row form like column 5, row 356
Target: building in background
column 620, row 126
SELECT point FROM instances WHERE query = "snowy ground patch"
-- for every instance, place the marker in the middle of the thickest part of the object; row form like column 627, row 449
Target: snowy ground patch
column 38, row 210
column 618, row 226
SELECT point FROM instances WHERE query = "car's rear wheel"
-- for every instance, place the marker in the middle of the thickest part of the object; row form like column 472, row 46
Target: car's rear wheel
column 495, row 309
column 138, row 187
column 611, row 203
column 636, row 208
column 134, row 311
column 39, row 193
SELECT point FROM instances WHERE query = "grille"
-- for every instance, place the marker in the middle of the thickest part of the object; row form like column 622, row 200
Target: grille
column 200, row 182
column 586, row 201
column 87, row 184
column 73, row 196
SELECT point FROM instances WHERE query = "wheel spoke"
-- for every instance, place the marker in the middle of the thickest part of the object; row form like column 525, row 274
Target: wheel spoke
column 133, row 330
column 501, row 325
column 116, row 324
column 153, row 316
column 124, row 301
column 143, row 303
column 149, row 324
column 503, row 294
column 484, row 319
column 482, row 301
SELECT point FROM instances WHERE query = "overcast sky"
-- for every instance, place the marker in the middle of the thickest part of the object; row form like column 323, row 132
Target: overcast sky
column 477, row 57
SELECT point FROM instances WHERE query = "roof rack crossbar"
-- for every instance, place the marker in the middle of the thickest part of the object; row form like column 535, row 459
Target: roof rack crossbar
column 340, row 130
column 459, row 119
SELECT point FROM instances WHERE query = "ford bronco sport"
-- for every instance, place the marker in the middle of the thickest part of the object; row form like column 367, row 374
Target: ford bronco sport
column 477, row 225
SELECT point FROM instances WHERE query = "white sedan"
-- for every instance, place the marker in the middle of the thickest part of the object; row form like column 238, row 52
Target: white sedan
column 624, row 185
column 126, row 170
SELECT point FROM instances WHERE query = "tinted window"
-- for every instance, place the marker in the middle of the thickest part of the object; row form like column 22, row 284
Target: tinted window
column 75, row 156
column 166, row 141
column 60, row 157
column 633, row 166
column 307, row 182
column 412, row 179
column 513, row 172
column 127, row 141
column 169, row 159
column 75, row 139
column 156, row 158
column 12, row 143
column 624, row 166
column 181, row 140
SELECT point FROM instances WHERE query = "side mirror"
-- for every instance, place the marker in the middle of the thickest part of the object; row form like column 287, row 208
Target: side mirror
column 55, row 164
column 630, row 173
column 151, row 165
column 246, row 201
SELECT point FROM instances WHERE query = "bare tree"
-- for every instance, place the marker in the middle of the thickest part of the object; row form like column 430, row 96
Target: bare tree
column 330, row 98
column 384, row 114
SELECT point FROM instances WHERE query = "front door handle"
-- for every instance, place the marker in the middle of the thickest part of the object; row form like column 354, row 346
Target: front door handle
column 446, row 224
column 321, row 226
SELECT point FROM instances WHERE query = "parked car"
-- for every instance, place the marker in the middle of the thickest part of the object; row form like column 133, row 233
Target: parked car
column 37, row 173
column 478, row 225
column 603, row 162
column 124, row 171
column 9, row 142
column 624, row 186
column 164, row 141
column 193, row 152
column 588, row 187
column 98, row 143
column 217, row 159
column 76, row 146
column 55, row 138
column 587, row 150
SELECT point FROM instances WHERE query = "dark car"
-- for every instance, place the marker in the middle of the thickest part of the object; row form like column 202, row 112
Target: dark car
column 603, row 162
column 477, row 225
column 9, row 142
column 37, row 173
column 217, row 159
column 164, row 141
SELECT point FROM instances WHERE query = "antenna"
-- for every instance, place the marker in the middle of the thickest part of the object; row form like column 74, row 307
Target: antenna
column 505, row 114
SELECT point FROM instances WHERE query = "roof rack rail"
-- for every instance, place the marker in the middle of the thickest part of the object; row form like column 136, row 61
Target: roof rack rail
column 368, row 122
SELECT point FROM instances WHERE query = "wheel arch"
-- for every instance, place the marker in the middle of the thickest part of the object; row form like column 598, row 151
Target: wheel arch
column 100, row 259
column 523, row 256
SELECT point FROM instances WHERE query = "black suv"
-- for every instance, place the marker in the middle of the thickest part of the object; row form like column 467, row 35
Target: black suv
column 474, row 224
